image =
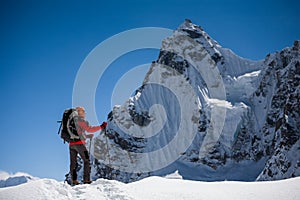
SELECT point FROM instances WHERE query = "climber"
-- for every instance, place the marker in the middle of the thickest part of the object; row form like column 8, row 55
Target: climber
column 78, row 147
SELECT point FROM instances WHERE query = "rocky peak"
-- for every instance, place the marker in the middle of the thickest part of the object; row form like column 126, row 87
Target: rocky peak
column 198, row 34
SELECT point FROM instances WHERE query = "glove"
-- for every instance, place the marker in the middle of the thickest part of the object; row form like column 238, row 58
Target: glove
column 103, row 125
column 90, row 135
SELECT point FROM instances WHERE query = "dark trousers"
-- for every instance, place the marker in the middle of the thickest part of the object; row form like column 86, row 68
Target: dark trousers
column 84, row 154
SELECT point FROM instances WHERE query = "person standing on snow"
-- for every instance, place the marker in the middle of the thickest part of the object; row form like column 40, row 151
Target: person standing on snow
column 78, row 147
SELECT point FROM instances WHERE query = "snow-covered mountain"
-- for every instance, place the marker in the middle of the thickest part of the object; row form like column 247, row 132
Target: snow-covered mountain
column 153, row 188
column 8, row 180
column 208, row 113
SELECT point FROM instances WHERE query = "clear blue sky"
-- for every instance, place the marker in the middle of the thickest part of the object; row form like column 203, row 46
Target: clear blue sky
column 43, row 44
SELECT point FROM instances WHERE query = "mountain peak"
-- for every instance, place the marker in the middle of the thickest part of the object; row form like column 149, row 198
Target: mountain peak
column 192, row 30
column 259, row 126
column 188, row 25
column 296, row 45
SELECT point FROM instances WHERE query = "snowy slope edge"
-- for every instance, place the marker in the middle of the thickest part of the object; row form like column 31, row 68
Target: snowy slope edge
column 153, row 188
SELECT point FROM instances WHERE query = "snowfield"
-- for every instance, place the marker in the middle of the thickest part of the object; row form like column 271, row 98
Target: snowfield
column 154, row 188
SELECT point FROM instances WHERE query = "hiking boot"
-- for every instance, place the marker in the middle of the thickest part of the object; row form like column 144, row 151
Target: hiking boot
column 87, row 182
column 75, row 182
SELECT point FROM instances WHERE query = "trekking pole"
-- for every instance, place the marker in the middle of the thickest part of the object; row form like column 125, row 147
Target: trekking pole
column 90, row 149
column 107, row 148
column 109, row 167
column 90, row 145
column 59, row 126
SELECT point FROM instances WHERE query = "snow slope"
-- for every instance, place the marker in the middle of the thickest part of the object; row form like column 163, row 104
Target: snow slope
column 154, row 188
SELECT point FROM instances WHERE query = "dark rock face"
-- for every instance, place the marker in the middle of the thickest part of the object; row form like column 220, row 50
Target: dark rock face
column 281, row 131
column 173, row 60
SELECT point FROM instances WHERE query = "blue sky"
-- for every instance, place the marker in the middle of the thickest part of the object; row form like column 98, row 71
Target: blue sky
column 43, row 44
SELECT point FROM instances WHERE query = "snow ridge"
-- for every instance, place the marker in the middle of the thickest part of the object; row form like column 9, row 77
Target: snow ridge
column 154, row 188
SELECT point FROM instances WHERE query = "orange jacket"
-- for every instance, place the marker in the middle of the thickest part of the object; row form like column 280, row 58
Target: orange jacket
column 82, row 126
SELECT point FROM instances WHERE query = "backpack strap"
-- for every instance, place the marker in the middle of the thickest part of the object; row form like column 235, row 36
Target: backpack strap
column 79, row 119
column 73, row 115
